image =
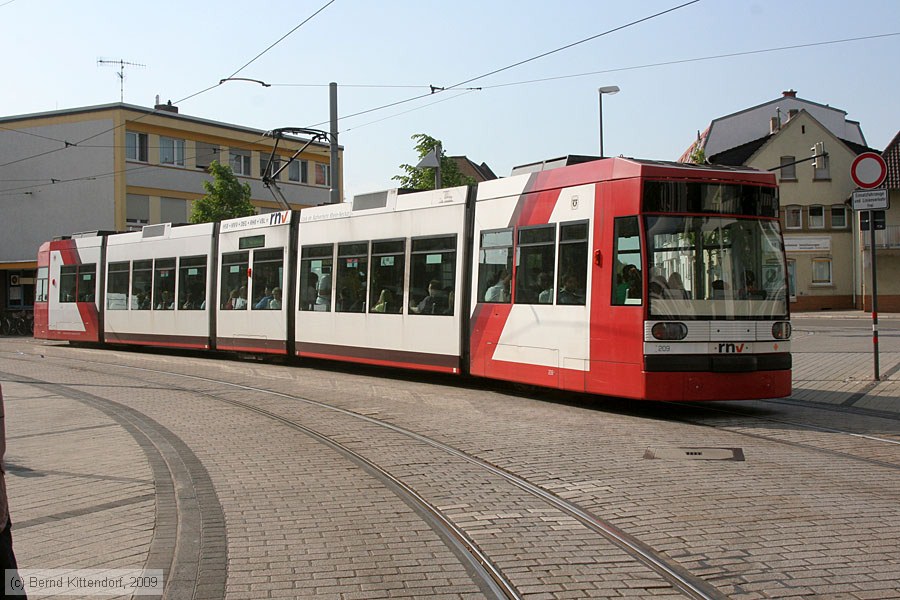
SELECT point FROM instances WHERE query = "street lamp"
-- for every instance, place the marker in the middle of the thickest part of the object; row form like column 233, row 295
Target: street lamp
column 609, row 89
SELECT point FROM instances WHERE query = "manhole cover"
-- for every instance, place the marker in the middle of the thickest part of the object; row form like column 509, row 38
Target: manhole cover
column 695, row 453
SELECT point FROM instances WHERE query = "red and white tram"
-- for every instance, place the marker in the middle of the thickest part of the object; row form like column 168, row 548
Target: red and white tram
column 622, row 277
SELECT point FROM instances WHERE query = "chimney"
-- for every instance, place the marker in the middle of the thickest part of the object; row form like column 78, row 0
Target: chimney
column 793, row 112
column 789, row 93
column 168, row 107
column 775, row 122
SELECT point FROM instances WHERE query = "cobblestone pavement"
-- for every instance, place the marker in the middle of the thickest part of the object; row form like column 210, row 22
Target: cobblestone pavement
column 118, row 467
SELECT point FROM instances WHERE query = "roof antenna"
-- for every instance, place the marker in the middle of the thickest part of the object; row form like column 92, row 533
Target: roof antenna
column 121, row 73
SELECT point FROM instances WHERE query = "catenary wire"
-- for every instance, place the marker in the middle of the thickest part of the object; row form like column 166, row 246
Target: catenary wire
column 304, row 22
column 433, row 90
column 155, row 111
column 516, row 64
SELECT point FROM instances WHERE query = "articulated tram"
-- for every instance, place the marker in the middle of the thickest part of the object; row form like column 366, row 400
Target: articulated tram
column 621, row 277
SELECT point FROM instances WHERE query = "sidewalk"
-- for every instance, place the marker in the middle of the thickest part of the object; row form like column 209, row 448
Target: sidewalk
column 826, row 369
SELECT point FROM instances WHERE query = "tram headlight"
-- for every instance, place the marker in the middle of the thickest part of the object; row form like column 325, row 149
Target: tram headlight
column 669, row 331
column 781, row 330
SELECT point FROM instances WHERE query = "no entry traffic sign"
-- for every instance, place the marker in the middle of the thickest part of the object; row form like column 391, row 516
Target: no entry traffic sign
column 868, row 170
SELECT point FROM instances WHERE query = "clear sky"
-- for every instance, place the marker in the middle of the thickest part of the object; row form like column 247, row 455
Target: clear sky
column 52, row 47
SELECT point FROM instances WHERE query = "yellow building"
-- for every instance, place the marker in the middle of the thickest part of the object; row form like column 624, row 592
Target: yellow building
column 119, row 167
column 822, row 243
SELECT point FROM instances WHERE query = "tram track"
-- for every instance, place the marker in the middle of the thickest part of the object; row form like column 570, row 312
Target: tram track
column 677, row 577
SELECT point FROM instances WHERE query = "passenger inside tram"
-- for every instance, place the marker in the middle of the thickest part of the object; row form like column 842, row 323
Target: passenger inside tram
column 430, row 304
column 165, row 301
column 676, row 289
column 384, row 301
column 275, row 301
column 499, row 292
column 570, row 293
column 263, row 302
column 308, row 294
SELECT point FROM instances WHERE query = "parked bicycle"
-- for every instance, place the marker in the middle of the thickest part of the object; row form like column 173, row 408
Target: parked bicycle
column 18, row 323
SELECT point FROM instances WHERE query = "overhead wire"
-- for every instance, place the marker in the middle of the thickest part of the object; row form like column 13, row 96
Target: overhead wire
column 279, row 40
column 186, row 98
column 695, row 59
column 435, row 90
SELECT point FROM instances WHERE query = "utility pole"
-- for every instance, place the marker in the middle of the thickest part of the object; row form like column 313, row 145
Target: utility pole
column 121, row 63
column 333, row 139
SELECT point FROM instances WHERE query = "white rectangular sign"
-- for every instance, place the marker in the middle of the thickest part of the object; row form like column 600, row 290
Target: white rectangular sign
column 870, row 199
column 793, row 243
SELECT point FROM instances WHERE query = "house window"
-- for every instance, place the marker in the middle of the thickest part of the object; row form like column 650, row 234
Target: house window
column 323, row 174
column 206, row 153
column 137, row 211
column 839, row 216
column 788, row 168
column 793, row 218
column 240, row 162
column 298, row 170
column 821, row 271
column 136, row 146
column 264, row 165
column 173, row 210
column 171, row 151
column 824, row 173
column 816, row 217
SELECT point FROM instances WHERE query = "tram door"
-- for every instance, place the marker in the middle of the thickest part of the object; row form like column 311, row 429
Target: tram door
column 617, row 312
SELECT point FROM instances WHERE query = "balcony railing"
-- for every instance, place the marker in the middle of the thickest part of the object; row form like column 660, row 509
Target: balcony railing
column 885, row 238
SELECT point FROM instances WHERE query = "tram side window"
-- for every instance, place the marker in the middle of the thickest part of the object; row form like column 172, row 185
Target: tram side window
column 77, row 283
column 87, row 282
column 534, row 265
column 627, row 282
column 141, row 285
column 352, row 267
column 268, row 279
column 386, row 288
column 495, row 266
column 316, row 264
column 573, row 263
column 68, row 283
column 234, row 281
column 117, row 286
column 432, row 276
column 43, row 281
column 164, row 283
column 192, row 283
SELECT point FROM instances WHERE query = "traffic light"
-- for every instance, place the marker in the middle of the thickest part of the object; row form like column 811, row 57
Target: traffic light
column 818, row 152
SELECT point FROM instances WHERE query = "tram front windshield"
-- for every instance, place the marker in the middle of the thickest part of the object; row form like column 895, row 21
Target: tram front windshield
column 715, row 267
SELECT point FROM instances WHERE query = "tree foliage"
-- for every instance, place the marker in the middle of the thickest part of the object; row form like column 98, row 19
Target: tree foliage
column 226, row 197
column 423, row 179
column 698, row 155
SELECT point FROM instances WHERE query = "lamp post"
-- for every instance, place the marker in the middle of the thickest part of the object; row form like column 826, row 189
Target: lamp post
column 609, row 89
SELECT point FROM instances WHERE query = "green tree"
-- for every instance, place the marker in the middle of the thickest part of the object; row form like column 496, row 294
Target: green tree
column 423, row 179
column 226, row 197
column 698, row 156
